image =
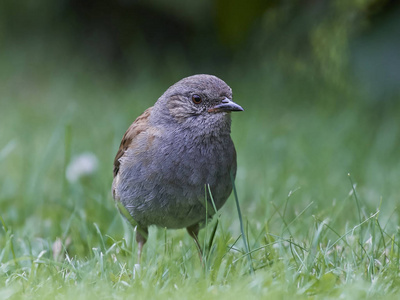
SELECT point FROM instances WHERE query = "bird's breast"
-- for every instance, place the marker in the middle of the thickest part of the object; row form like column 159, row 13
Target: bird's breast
column 167, row 184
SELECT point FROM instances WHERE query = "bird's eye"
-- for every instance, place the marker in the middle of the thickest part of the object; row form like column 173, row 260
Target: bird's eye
column 196, row 99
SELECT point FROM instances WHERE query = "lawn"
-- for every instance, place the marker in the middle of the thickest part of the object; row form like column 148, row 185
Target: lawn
column 317, row 182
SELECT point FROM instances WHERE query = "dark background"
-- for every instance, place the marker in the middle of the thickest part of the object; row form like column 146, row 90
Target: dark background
column 334, row 45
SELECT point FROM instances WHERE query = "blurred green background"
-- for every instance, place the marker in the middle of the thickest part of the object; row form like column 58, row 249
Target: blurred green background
column 319, row 82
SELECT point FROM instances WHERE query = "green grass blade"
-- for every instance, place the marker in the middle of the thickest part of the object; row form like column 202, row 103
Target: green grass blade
column 241, row 225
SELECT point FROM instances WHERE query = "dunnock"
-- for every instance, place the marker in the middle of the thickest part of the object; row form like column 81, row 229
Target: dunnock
column 172, row 152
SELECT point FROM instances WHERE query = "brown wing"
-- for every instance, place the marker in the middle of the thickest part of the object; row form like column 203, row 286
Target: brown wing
column 138, row 126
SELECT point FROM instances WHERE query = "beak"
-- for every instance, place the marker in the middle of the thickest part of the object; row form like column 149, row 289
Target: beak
column 226, row 105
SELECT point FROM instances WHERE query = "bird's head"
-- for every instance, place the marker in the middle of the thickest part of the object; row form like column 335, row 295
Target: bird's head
column 198, row 99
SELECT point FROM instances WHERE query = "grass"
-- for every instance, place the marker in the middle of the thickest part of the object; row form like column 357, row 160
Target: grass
column 312, row 230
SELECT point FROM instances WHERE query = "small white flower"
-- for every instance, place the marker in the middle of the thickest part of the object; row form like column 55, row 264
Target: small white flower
column 81, row 165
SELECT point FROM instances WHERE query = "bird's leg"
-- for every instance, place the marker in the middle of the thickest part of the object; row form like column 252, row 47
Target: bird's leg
column 141, row 239
column 193, row 231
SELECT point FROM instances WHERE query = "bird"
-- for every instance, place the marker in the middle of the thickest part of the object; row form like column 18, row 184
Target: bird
column 177, row 156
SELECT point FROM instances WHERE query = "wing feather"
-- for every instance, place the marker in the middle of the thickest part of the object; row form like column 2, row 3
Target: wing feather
column 137, row 127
